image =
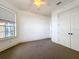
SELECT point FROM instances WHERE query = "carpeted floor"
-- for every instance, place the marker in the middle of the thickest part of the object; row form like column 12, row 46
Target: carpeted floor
column 41, row 49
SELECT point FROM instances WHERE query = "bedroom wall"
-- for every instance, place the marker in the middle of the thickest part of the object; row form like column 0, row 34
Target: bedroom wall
column 32, row 26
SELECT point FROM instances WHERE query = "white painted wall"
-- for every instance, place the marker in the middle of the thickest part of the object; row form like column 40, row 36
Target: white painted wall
column 4, row 44
column 32, row 26
column 54, row 27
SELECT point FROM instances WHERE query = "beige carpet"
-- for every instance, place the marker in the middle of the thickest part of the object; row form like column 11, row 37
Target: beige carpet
column 41, row 49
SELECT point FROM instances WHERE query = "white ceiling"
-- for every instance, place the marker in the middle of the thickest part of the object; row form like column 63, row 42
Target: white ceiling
column 27, row 5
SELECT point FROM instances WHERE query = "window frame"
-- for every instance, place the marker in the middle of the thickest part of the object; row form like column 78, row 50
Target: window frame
column 4, row 31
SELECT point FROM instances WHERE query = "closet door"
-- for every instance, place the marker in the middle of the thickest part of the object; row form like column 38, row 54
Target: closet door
column 68, row 33
column 64, row 28
column 75, row 28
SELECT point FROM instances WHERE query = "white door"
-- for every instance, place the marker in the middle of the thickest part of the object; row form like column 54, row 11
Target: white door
column 75, row 28
column 64, row 28
column 69, row 24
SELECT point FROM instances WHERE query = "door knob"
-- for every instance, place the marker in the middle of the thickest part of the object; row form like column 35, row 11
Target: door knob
column 70, row 33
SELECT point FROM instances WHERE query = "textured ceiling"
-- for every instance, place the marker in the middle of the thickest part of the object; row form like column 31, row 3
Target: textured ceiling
column 46, row 9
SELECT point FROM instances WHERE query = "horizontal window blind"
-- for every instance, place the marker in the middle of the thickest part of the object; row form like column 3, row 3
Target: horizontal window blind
column 7, row 14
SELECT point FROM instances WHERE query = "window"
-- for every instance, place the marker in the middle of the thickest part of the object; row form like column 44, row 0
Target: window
column 7, row 29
